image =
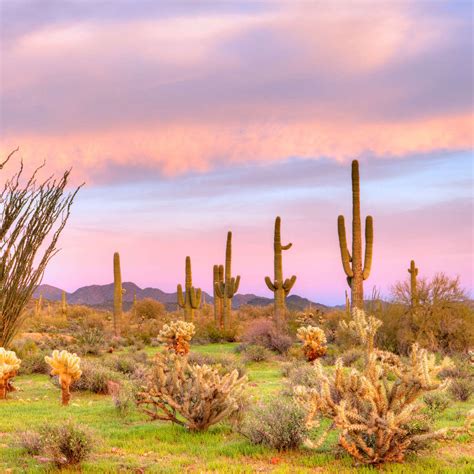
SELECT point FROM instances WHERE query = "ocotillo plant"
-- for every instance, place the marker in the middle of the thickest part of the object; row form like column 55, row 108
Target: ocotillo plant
column 191, row 299
column 218, row 278
column 228, row 288
column 281, row 288
column 413, row 271
column 356, row 273
column 118, row 294
column 63, row 302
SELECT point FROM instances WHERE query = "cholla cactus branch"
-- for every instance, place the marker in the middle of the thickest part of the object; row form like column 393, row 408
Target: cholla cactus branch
column 177, row 336
column 190, row 395
column 67, row 367
column 371, row 410
column 9, row 365
column 314, row 342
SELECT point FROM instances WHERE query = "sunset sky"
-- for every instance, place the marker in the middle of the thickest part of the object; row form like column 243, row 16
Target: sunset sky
column 188, row 119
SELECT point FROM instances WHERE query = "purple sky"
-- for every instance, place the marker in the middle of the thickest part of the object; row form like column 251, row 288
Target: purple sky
column 188, row 120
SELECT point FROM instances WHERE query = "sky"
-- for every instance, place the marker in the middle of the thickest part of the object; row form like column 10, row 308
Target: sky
column 188, row 119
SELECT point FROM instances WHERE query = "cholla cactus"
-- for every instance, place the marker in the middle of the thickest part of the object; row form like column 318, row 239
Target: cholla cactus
column 199, row 394
column 9, row 365
column 67, row 367
column 312, row 318
column 177, row 336
column 314, row 342
column 371, row 410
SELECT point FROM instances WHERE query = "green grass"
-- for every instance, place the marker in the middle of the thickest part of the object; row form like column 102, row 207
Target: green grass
column 128, row 443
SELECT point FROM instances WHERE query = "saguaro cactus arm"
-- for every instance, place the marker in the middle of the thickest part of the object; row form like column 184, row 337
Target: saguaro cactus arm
column 288, row 285
column 195, row 297
column 181, row 297
column 345, row 255
column 272, row 286
column 369, row 243
column 219, row 288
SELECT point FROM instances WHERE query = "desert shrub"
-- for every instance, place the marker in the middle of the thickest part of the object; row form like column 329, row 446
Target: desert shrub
column 256, row 353
column 193, row 396
column 208, row 332
column 126, row 363
column 30, row 442
column 373, row 407
column 351, row 356
column 66, row 443
column 124, row 397
column 95, row 377
column 302, row 374
column 436, row 402
column 279, row 425
column 90, row 341
column 224, row 363
column 147, row 309
column 461, row 389
column 34, row 364
column 24, row 347
column 144, row 331
column 264, row 333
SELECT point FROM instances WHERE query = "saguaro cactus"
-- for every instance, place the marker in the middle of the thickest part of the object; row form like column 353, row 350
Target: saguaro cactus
column 118, row 294
column 39, row 305
column 67, row 367
column 356, row 273
column 191, row 299
column 63, row 302
column 218, row 278
column 228, row 288
column 281, row 288
column 413, row 271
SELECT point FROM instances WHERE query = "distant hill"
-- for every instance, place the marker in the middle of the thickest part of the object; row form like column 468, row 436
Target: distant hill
column 102, row 296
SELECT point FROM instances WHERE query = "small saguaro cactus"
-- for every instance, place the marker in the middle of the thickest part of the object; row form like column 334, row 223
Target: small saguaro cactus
column 191, row 299
column 39, row 305
column 314, row 342
column 63, row 302
column 228, row 288
column 118, row 294
column 67, row 367
column 218, row 278
column 280, row 287
column 348, row 303
column 177, row 336
column 413, row 271
column 9, row 365
column 352, row 264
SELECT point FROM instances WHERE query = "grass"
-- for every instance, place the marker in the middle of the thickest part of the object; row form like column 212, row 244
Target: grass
column 132, row 443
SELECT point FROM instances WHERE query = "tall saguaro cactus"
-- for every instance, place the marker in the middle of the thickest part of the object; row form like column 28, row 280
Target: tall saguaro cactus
column 355, row 271
column 218, row 278
column 63, row 303
column 280, row 287
column 191, row 299
column 118, row 294
column 413, row 271
column 228, row 288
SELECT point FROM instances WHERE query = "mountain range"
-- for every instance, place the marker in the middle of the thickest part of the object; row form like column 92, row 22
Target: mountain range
column 101, row 296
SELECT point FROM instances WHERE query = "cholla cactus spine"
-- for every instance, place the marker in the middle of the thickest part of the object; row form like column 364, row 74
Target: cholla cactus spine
column 118, row 294
column 352, row 264
column 280, row 287
column 9, row 365
column 218, row 278
column 191, row 299
column 314, row 342
column 67, row 367
column 177, row 335
column 413, row 271
column 229, row 287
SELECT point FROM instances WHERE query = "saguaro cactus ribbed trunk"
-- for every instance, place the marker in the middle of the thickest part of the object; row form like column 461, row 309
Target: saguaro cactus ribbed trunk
column 63, row 302
column 229, row 287
column 281, row 288
column 218, row 278
column 118, row 294
column 413, row 271
column 356, row 273
column 191, row 299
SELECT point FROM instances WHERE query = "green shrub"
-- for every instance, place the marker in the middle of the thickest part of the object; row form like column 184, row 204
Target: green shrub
column 34, row 364
column 255, row 353
column 224, row 363
column 95, row 377
column 436, row 402
column 31, row 442
column 279, row 425
column 66, row 443
column 461, row 389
